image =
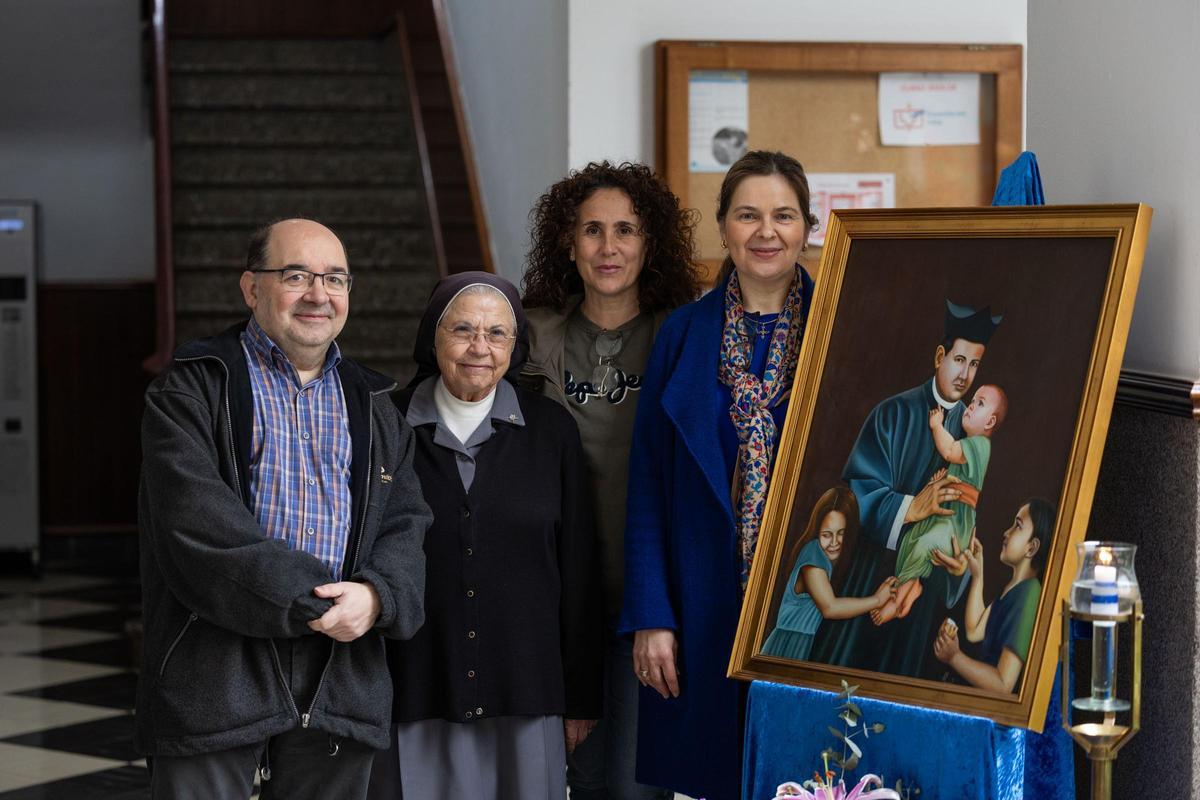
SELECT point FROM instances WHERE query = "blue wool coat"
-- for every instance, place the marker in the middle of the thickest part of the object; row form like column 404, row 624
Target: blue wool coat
column 682, row 566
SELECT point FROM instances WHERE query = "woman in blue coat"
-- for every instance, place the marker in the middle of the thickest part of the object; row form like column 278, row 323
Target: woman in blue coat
column 713, row 402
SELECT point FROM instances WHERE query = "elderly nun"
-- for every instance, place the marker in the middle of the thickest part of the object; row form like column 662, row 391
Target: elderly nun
column 506, row 675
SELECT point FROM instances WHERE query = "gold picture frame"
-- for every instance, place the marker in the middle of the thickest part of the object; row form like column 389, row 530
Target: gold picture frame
column 1057, row 284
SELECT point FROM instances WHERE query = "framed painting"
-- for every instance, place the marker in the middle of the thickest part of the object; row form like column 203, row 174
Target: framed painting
column 940, row 454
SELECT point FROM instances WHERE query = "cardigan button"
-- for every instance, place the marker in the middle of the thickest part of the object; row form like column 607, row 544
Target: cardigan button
column 469, row 715
column 470, row 592
column 466, row 513
column 470, row 551
column 479, row 711
column 470, row 634
column 470, row 673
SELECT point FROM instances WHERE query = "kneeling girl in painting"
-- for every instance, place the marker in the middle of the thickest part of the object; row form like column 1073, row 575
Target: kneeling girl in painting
column 809, row 598
column 1005, row 627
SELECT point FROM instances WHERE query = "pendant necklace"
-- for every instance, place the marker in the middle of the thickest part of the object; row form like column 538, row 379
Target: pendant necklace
column 762, row 327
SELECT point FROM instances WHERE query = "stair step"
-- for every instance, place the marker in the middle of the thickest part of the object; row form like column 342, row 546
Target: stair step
column 198, row 326
column 298, row 128
column 376, row 292
column 283, row 166
column 365, row 248
column 215, row 294
column 373, row 339
column 338, row 56
column 382, row 343
column 274, row 128
column 334, row 207
column 301, row 91
column 364, row 325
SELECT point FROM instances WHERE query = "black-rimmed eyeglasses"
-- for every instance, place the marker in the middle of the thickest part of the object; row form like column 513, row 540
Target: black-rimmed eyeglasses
column 295, row 279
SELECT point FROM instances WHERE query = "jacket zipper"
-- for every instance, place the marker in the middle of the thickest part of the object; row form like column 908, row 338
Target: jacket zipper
column 283, row 682
column 362, row 520
column 178, row 637
column 306, row 717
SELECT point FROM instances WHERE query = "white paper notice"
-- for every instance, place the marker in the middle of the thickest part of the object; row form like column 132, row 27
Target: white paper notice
column 718, row 119
column 922, row 108
column 832, row 190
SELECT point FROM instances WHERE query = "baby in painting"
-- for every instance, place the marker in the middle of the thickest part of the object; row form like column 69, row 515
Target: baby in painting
column 968, row 459
column 809, row 597
column 1003, row 629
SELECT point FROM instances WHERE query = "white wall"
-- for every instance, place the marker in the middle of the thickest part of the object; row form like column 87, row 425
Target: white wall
column 550, row 85
column 1114, row 117
column 611, row 49
column 512, row 58
column 74, row 134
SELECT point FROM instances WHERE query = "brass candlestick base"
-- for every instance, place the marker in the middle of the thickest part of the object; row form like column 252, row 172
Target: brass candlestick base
column 1102, row 740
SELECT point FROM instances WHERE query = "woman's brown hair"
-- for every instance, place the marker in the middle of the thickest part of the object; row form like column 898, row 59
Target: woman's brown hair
column 670, row 273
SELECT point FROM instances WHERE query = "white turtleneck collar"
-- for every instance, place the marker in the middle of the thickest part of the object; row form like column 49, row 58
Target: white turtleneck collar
column 461, row 417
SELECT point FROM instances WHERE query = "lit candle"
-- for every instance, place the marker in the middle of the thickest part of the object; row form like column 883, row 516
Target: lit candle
column 1104, row 588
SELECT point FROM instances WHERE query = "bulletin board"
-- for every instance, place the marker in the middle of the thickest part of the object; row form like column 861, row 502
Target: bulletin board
column 818, row 101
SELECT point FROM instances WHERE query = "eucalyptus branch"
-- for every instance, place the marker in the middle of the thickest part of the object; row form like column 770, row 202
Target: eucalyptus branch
column 853, row 725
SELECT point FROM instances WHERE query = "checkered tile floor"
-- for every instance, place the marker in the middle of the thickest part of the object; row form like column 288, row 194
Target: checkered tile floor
column 66, row 689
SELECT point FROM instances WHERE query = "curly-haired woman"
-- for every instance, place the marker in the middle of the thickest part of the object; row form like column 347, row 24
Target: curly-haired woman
column 611, row 254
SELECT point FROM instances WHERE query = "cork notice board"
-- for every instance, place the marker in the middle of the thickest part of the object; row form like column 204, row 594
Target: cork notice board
column 819, row 103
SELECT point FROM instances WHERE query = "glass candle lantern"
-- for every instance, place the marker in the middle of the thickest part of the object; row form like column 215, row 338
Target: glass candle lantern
column 1104, row 591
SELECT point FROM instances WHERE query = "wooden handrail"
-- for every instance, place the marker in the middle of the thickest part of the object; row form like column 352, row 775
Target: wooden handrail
column 164, row 276
column 414, row 101
column 441, row 18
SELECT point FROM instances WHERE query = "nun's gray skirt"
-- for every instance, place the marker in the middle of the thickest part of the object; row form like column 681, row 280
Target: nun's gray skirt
column 489, row 759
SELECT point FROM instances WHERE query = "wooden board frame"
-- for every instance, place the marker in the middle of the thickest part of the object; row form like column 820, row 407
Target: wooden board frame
column 675, row 60
column 1107, row 244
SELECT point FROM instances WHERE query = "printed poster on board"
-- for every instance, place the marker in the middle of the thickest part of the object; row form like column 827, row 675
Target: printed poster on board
column 718, row 119
column 832, row 190
column 917, row 109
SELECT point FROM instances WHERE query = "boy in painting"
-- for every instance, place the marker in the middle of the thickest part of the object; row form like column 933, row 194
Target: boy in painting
column 968, row 459
column 1006, row 626
column 808, row 597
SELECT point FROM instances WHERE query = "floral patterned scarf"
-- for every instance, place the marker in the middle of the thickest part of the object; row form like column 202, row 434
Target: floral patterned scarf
column 752, row 403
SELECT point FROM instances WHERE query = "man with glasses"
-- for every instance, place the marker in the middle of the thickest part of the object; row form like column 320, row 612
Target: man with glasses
column 281, row 538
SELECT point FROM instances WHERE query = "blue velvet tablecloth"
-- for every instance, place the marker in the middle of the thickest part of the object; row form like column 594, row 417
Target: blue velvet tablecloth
column 946, row 755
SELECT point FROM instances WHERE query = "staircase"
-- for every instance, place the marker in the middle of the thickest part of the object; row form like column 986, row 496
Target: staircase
column 272, row 128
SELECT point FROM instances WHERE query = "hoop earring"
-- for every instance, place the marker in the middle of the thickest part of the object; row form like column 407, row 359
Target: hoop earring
column 723, row 245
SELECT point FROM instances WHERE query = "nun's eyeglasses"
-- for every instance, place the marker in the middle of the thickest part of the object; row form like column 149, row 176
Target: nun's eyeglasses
column 465, row 334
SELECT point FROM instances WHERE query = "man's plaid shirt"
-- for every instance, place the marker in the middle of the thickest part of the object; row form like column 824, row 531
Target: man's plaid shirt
column 300, row 457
